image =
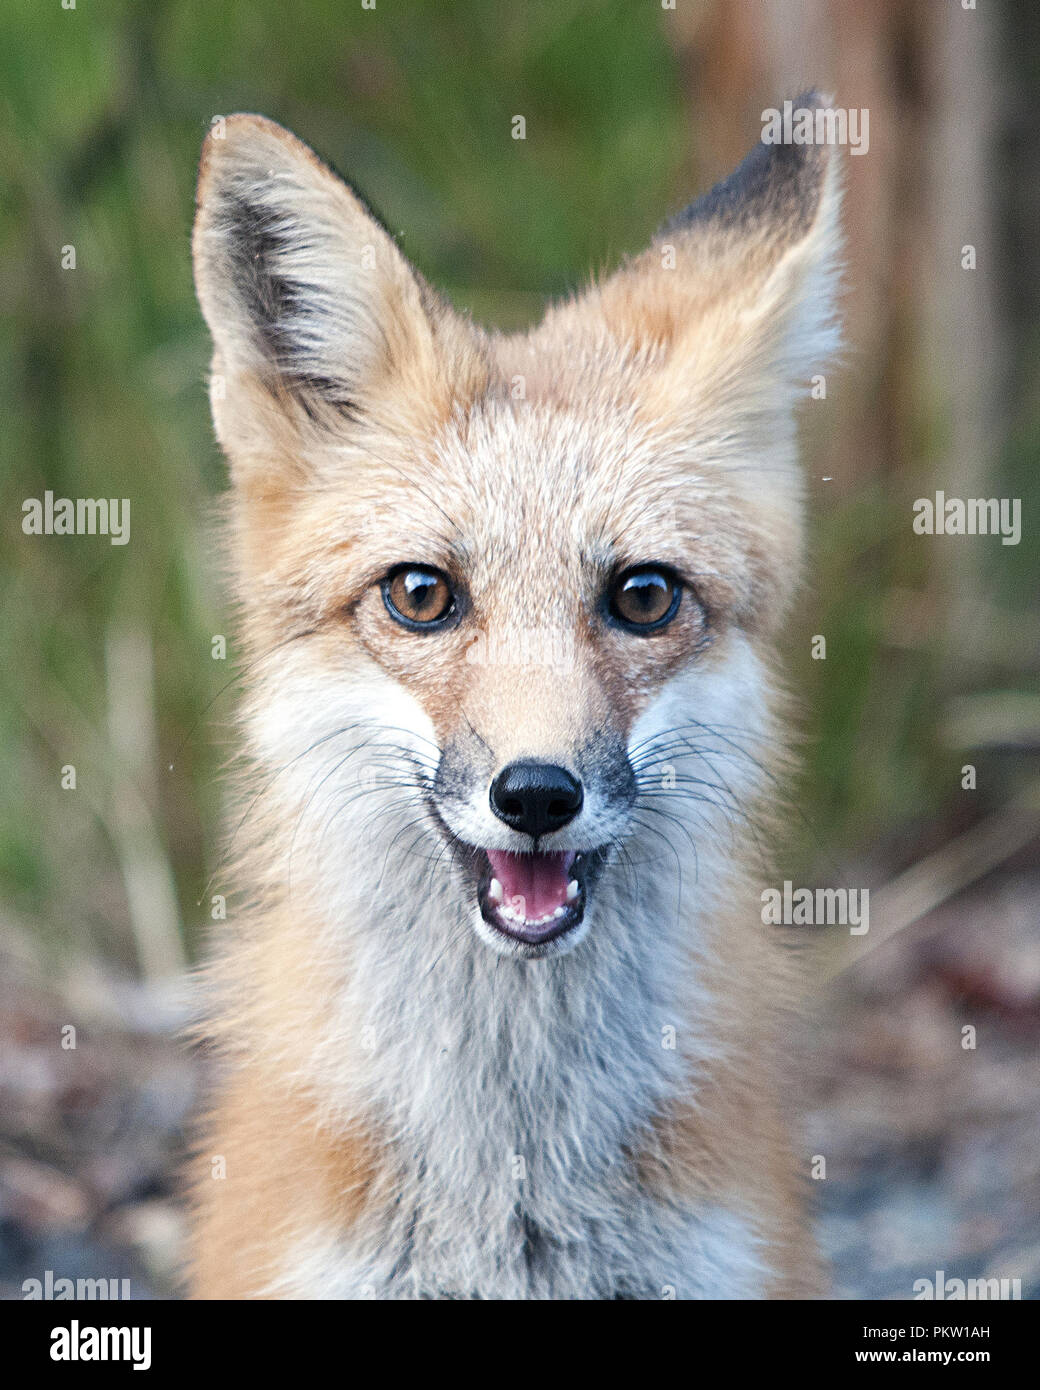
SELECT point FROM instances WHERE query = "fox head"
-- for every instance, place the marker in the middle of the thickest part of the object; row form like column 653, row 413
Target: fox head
column 511, row 601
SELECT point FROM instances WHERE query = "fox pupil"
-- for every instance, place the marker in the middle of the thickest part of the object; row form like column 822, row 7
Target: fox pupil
column 420, row 588
column 642, row 591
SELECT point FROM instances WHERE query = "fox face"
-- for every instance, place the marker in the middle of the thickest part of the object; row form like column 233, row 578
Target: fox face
column 511, row 601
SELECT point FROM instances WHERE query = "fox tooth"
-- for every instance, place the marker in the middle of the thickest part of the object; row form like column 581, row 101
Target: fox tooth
column 559, row 912
column 572, row 890
column 495, row 892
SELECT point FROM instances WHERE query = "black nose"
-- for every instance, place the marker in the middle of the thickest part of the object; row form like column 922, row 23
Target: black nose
column 536, row 797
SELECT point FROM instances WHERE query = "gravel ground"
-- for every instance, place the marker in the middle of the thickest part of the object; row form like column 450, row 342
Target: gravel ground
column 933, row 1150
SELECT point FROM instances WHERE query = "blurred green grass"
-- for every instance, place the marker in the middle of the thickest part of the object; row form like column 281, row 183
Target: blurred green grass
column 102, row 393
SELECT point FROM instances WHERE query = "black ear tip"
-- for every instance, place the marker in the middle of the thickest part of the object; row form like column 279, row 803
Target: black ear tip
column 777, row 183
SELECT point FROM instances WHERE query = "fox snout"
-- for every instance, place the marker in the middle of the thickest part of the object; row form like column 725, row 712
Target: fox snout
column 577, row 801
column 536, row 798
column 533, row 836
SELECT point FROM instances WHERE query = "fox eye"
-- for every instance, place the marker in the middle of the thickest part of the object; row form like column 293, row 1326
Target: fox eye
column 644, row 598
column 418, row 596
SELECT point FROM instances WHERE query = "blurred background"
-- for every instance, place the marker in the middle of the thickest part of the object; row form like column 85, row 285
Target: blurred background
column 933, row 1149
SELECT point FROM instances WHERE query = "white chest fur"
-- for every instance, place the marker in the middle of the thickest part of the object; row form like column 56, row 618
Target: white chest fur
column 512, row 1096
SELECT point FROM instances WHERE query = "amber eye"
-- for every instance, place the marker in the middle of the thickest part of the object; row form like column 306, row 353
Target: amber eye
column 645, row 598
column 418, row 596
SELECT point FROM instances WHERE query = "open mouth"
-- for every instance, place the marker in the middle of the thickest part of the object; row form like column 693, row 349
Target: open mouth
column 533, row 898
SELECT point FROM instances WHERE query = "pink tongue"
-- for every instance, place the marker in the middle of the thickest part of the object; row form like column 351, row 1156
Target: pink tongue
column 534, row 885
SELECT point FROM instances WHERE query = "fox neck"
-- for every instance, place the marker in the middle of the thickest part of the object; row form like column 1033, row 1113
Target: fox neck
column 511, row 1094
column 446, row 1029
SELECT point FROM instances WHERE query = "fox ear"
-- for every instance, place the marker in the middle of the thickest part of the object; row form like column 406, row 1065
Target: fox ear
column 302, row 289
column 744, row 280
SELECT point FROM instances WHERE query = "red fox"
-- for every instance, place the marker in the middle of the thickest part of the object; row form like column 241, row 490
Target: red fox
column 497, row 1016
